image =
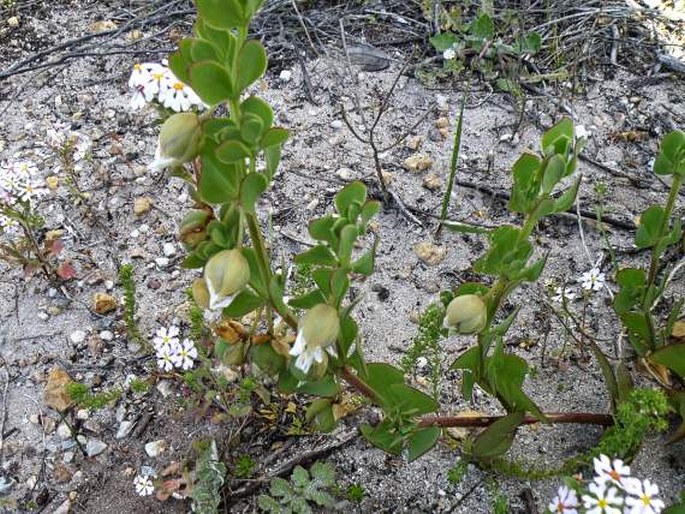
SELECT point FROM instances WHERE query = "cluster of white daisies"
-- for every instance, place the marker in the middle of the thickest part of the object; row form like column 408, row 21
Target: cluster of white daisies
column 20, row 182
column 613, row 491
column 171, row 352
column 590, row 281
column 156, row 82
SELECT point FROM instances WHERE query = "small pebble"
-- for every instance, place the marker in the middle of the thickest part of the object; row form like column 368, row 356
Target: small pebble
column 154, row 448
column 169, row 249
column 285, row 76
column 43, row 316
column 106, row 335
column 77, row 336
column 162, row 262
column 95, row 447
column 336, row 124
column 124, row 429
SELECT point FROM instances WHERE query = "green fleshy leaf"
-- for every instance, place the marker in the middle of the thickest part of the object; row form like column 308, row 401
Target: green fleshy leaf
column 253, row 185
column 211, row 82
column 252, row 63
column 421, row 441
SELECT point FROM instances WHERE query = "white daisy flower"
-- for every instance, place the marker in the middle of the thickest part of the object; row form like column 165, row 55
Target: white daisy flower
column 166, row 357
column 146, row 81
column 602, row 500
column 565, row 502
column 8, row 226
column 24, row 169
column 28, row 189
column 143, row 485
column 563, row 294
column 176, row 95
column 166, row 337
column 592, row 280
column 449, row 54
column 642, row 499
column 613, row 472
column 186, row 355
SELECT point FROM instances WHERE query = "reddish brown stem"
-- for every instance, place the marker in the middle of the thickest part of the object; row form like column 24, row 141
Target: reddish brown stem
column 582, row 418
column 348, row 375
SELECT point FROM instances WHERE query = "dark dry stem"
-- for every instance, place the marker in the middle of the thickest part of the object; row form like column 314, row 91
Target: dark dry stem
column 582, row 418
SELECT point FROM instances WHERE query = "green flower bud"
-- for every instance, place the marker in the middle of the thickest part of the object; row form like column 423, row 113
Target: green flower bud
column 317, row 329
column 179, row 140
column 467, row 314
column 226, row 273
column 319, row 326
column 194, row 228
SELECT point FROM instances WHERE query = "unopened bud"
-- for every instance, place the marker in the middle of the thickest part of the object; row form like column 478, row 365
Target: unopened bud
column 319, row 326
column 317, row 329
column 467, row 314
column 179, row 140
column 226, row 273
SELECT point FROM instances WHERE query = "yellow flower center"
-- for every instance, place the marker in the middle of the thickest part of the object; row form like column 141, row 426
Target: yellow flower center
column 603, row 503
column 178, row 86
column 613, row 473
column 137, row 67
column 646, row 500
column 158, row 76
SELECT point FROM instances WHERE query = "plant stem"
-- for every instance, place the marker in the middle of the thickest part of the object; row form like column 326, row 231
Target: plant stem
column 362, row 387
column 670, row 204
column 582, row 418
column 260, row 250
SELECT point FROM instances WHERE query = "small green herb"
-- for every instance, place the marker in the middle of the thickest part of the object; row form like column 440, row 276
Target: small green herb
column 303, row 489
column 244, row 466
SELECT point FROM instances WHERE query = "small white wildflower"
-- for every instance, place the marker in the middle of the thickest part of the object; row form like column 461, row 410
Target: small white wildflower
column 449, row 54
column 614, row 472
column 592, row 280
column 28, row 189
column 565, row 502
column 563, row 294
column 166, row 356
column 8, row 226
column 602, row 500
column 186, row 355
column 643, row 499
column 176, row 95
column 143, row 485
column 24, row 169
column 166, row 337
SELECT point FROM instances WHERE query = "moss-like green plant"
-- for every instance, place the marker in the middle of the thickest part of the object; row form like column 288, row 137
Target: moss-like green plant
column 426, row 344
column 81, row 395
column 130, row 307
